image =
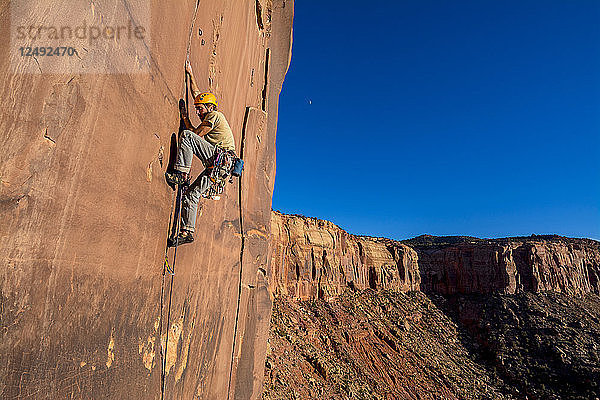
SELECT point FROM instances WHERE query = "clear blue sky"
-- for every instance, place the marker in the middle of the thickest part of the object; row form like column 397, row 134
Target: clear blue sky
column 473, row 118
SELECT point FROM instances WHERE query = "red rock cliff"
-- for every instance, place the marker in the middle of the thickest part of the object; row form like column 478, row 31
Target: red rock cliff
column 316, row 259
column 85, row 209
column 531, row 329
column 313, row 258
column 535, row 264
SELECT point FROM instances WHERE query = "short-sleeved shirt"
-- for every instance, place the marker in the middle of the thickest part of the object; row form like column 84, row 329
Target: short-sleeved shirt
column 220, row 134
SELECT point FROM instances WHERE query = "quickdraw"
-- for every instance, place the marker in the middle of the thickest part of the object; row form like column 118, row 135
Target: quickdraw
column 226, row 165
column 167, row 268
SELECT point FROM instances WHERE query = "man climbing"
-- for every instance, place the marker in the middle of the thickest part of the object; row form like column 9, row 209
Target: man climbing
column 201, row 141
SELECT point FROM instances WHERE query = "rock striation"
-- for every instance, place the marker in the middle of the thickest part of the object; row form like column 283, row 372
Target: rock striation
column 373, row 345
column 85, row 209
column 381, row 344
column 315, row 259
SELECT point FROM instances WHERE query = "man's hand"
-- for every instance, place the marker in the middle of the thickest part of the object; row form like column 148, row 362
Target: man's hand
column 188, row 67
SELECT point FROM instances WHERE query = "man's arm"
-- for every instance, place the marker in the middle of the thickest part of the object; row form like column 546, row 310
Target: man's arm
column 202, row 129
column 194, row 87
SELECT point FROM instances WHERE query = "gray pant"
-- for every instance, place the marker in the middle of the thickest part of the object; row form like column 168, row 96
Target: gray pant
column 191, row 144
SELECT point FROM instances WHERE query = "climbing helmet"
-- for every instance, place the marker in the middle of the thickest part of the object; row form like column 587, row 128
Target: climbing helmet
column 206, row 98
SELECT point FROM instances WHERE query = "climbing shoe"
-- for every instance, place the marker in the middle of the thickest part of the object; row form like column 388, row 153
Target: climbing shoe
column 183, row 238
column 176, row 178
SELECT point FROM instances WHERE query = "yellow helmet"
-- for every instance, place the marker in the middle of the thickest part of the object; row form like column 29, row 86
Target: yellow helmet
column 206, row 98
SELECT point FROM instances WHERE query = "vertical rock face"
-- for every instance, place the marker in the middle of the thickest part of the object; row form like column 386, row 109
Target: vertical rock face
column 316, row 259
column 85, row 210
column 570, row 266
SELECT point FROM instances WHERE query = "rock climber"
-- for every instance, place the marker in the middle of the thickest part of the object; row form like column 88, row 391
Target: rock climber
column 201, row 141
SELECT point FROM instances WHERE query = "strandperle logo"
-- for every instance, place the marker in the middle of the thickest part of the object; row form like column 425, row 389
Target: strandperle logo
column 87, row 32
column 103, row 36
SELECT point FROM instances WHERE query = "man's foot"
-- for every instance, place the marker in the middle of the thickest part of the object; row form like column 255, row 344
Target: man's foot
column 176, row 177
column 183, row 238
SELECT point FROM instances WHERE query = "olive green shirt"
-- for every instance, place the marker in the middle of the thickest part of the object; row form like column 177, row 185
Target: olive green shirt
column 220, row 134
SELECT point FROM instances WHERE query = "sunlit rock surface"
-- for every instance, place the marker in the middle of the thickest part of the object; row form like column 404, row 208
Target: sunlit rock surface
column 85, row 209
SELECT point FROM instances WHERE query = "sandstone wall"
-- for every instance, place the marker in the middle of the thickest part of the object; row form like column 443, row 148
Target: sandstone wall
column 313, row 258
column 570, row 266
column 85, row 211
column 316, row 259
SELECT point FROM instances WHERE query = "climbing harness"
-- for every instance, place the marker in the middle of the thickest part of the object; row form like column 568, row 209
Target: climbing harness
column 226, row 165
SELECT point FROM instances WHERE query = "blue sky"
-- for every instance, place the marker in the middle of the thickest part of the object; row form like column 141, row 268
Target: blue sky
column 473, row 118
